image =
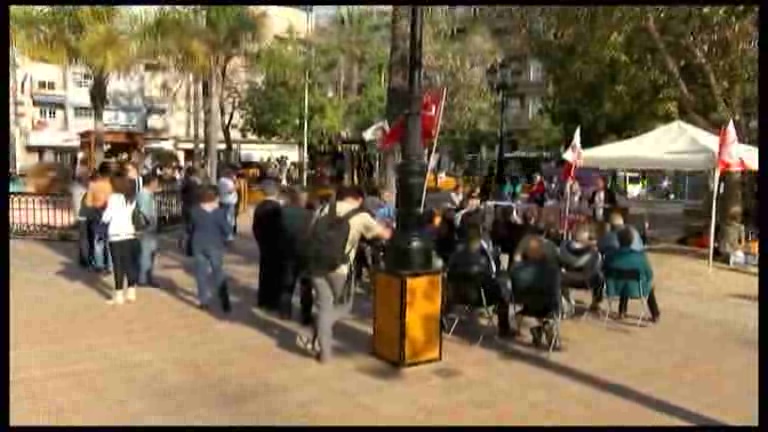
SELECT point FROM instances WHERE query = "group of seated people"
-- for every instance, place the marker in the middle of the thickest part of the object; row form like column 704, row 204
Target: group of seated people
column 542, row 268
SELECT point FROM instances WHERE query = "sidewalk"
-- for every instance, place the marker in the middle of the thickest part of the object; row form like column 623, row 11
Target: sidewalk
column 77, row 361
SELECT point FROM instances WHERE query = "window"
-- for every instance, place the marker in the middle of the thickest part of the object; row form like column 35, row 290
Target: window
column 47, row 113
column 534, row 107
column 83, row 113
column 82, row 79
column 46, row 85
column 514, row 106
column 535, row 71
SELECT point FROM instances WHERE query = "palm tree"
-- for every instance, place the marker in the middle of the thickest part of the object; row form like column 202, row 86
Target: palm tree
column 97, row 37
column 204, row 41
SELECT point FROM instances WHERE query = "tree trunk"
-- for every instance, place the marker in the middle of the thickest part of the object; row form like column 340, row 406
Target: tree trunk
column 397, row 89
column 212, row 119
column 206, row 100
column 354, row 80
column 225, row 123
column 98, row 95
column 687, row 99
column 196, row 96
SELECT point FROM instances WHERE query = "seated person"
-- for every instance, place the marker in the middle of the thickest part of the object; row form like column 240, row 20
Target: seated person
column 732, row 236
column 580, row 264
column 609, row 241
column 473, row 266
column 470, row 213
column 536, row 286
column 445, row 238
column 628, row 258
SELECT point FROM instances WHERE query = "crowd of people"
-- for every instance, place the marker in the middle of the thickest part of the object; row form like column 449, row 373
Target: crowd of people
column 522, row 258
column 323, row 248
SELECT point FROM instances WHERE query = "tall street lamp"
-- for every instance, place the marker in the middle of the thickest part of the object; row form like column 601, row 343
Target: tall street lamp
column 309, row 10
column 409, row 250
column 500, row 81
column 408, row 291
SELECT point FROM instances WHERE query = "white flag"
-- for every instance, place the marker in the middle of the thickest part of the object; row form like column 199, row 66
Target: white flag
column 375, row 131
column 573, row 152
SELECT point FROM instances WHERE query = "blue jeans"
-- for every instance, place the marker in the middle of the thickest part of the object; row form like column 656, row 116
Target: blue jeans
column 147, row 258
column 102, row 260
column 208, row 260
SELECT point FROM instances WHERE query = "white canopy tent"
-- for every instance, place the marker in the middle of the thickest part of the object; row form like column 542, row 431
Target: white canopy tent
column 675, row 146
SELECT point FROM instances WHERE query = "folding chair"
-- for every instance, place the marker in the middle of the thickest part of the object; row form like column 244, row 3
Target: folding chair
column 489, row 311
column 622, row 277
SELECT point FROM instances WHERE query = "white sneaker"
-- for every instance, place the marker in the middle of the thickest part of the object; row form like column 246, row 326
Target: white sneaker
column 130, row 294
column 117, row 298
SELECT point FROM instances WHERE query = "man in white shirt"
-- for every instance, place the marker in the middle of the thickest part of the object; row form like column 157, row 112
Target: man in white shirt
column 228, row 197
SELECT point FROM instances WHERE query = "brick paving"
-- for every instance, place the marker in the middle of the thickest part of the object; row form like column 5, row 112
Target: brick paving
column 75, row 360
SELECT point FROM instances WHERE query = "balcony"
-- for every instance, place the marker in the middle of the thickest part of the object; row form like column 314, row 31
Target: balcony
column 48, row 92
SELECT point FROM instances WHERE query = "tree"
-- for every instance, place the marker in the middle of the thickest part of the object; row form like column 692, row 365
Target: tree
column 205, row 40
column 98, row 37
column 457, row 53
column 273, row 106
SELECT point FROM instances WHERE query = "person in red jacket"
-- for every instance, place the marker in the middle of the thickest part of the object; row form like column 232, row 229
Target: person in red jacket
column 538, row 193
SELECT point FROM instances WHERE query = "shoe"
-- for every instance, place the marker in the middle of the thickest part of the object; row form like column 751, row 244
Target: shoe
column 549, row 334
column 536, row 334
column 118, row 298
column 655, row 319
column 594, row 307
column 130, row 294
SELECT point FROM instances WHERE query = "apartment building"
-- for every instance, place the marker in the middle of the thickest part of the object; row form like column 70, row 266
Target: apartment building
column 53, row 105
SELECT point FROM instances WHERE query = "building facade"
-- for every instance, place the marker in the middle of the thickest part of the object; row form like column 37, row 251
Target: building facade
column 52, row 104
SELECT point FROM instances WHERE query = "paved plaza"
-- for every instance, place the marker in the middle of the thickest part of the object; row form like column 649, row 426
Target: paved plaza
column 75, row 360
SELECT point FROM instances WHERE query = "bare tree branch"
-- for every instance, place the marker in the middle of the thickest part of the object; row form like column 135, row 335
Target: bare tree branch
column 687, row 98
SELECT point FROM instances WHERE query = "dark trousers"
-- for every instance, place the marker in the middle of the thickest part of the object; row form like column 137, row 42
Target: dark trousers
column 270, row 278
column 85, row 243
column 293, row 274
column 653, row 306
column 125, row 261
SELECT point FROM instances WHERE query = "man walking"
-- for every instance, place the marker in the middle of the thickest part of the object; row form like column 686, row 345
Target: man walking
column 228, row 198
column 148, row 240
column 332, row 247
column 268, row 232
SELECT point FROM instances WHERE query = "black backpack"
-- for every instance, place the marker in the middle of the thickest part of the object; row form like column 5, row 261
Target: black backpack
column 327, row 246
column 139, row 219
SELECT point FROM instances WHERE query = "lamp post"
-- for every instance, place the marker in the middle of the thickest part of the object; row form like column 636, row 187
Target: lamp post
column 408, row 301
column 305, row 144
column 499, row 81
column 409, row 250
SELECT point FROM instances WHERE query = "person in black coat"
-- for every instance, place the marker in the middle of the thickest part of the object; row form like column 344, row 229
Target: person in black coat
column 191, row 189
column 602, row 201
column 269, row 234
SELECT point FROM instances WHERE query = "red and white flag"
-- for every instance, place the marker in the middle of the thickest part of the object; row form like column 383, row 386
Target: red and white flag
column 728, row 158
column 431, row 108
column 572, row 156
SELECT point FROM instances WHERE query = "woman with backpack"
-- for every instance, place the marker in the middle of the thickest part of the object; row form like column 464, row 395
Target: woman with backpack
column 119, row 216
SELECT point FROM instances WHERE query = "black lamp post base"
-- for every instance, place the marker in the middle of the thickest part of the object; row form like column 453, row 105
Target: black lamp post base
column 409, row 252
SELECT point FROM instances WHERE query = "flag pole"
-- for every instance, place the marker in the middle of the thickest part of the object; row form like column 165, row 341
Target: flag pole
column 716, row 190
column 433, row 149
column 567, row 207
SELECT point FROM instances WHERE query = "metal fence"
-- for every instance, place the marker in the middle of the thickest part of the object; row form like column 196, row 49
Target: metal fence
column 51, row 216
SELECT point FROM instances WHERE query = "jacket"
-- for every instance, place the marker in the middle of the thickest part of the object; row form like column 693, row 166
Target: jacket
column 210, row 229
column 628, row 259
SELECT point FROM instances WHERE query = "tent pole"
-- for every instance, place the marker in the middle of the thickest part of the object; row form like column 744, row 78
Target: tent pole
column 715, row 191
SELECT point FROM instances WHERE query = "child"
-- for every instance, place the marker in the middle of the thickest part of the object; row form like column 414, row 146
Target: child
column 210, row 231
